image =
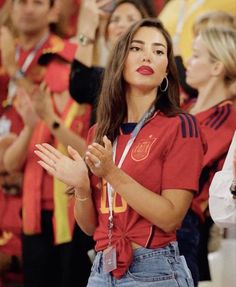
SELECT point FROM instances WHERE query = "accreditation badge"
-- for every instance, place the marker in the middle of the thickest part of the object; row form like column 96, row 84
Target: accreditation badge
column 109, row 259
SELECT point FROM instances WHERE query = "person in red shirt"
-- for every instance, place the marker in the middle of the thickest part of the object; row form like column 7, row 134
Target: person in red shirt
column 211, row 70
column 38, row 55
column 140, row 155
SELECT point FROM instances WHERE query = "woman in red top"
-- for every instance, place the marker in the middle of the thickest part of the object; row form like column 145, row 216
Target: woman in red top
column 140, row 187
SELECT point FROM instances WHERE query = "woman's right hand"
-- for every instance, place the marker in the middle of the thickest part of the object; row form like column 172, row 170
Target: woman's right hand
column 25, row 108
column 90, row 15
column 72, row 171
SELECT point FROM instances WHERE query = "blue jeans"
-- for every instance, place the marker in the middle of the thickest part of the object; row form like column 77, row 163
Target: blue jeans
column 161, row 267
column 188, row 240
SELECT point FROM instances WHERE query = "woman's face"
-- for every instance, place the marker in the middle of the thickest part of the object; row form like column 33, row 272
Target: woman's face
column 121, row 19
column 199, row 65
column 146, row 64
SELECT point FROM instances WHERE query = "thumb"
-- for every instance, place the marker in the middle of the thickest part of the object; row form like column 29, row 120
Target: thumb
column 107, row 143
column 73, row 153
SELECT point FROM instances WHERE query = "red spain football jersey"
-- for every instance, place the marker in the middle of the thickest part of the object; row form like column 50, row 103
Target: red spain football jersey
column 166, row 154
column 218, row 125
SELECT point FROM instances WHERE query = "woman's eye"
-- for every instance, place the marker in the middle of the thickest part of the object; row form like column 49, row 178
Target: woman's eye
column 134, row 48
column 114, row 20
column 159, row 52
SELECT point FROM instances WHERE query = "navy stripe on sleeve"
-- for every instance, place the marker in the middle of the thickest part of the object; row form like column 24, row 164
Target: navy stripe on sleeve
column 188, row 126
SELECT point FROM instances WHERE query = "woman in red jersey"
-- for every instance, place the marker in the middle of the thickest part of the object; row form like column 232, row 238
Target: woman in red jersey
column 133, row 187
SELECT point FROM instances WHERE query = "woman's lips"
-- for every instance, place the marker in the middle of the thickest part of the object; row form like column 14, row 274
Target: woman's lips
column 145, row 70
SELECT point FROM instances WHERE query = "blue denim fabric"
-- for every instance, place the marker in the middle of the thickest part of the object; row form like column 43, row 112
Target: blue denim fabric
column 188, row 240
column 161, row 267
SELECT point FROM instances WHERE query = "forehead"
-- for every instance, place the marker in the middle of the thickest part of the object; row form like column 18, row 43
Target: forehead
column 198, row 44
column 127, row 9
column 150, row 34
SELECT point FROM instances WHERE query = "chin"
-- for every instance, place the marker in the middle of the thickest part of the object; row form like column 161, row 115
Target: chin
column 191, row 83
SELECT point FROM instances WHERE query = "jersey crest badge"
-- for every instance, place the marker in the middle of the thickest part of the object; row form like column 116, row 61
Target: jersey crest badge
column 142, row 148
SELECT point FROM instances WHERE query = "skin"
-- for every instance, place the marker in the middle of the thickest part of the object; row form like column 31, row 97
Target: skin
column 207, row 76
column 144, row 52
column 92, row 15
column 172, row 204
column 27, row 16
column 199, row 66
column 122, row 18
column 32, row 109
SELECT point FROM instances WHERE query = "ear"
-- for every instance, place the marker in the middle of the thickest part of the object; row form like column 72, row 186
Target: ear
column 217, row 69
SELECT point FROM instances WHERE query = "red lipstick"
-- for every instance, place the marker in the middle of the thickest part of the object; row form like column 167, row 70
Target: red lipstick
column 145, row 70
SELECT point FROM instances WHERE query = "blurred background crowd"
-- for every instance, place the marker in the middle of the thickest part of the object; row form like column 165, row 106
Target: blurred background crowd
column 52, row 57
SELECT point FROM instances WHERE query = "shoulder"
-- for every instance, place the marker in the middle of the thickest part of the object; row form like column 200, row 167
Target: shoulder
column 184, row 124
column 219, row 118
column 57, row 46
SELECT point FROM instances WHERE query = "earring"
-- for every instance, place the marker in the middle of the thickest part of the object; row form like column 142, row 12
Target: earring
column 167, row 84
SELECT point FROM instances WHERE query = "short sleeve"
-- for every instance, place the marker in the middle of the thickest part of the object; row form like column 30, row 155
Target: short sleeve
column 184, row 157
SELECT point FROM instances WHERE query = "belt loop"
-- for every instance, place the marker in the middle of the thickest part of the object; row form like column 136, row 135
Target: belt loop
column 174, row 249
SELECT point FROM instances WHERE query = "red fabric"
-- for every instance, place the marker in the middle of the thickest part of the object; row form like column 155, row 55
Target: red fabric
column 35, row 191
column 159, row 5
column 16, row 123
column 32, row 184
column 4, row 79
column 218, row 124
column 157, row 160
column 11, row 222
column 57, row 77
column 34, row 73
column 2, row 2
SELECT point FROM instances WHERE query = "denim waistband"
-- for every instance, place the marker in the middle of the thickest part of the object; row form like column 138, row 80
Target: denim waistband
column 170, row 250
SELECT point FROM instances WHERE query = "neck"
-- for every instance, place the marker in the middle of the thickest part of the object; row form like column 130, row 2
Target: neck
column 138, row 102
column 28, row 41
column 210, row 96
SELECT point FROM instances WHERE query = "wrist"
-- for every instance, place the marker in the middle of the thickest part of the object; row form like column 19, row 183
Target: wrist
column 82, row 195
column 52, row 122
column 15, row 73
column 86, row 39
column 113, row 175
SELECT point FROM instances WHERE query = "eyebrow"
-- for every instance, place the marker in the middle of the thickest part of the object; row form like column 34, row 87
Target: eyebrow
column 142, row 42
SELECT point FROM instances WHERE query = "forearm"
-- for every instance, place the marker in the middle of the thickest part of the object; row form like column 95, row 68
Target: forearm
column 84, row 54
column 85, row 213
column 158, row 209
column 15, row 155
column 64, row 135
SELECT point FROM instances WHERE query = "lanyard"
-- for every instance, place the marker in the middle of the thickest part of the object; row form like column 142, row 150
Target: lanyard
column 184, row 14
column 110, row 190
column 29, row 59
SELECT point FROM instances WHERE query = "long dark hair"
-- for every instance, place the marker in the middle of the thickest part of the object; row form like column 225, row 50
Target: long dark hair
column 112, row 106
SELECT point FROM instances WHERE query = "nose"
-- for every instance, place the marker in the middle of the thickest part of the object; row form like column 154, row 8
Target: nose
column 188, row 62
column 28, row 7
column 146, row 56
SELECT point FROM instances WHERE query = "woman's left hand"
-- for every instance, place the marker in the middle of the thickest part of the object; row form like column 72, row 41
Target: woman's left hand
column 43, row 102
column 99, row 159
